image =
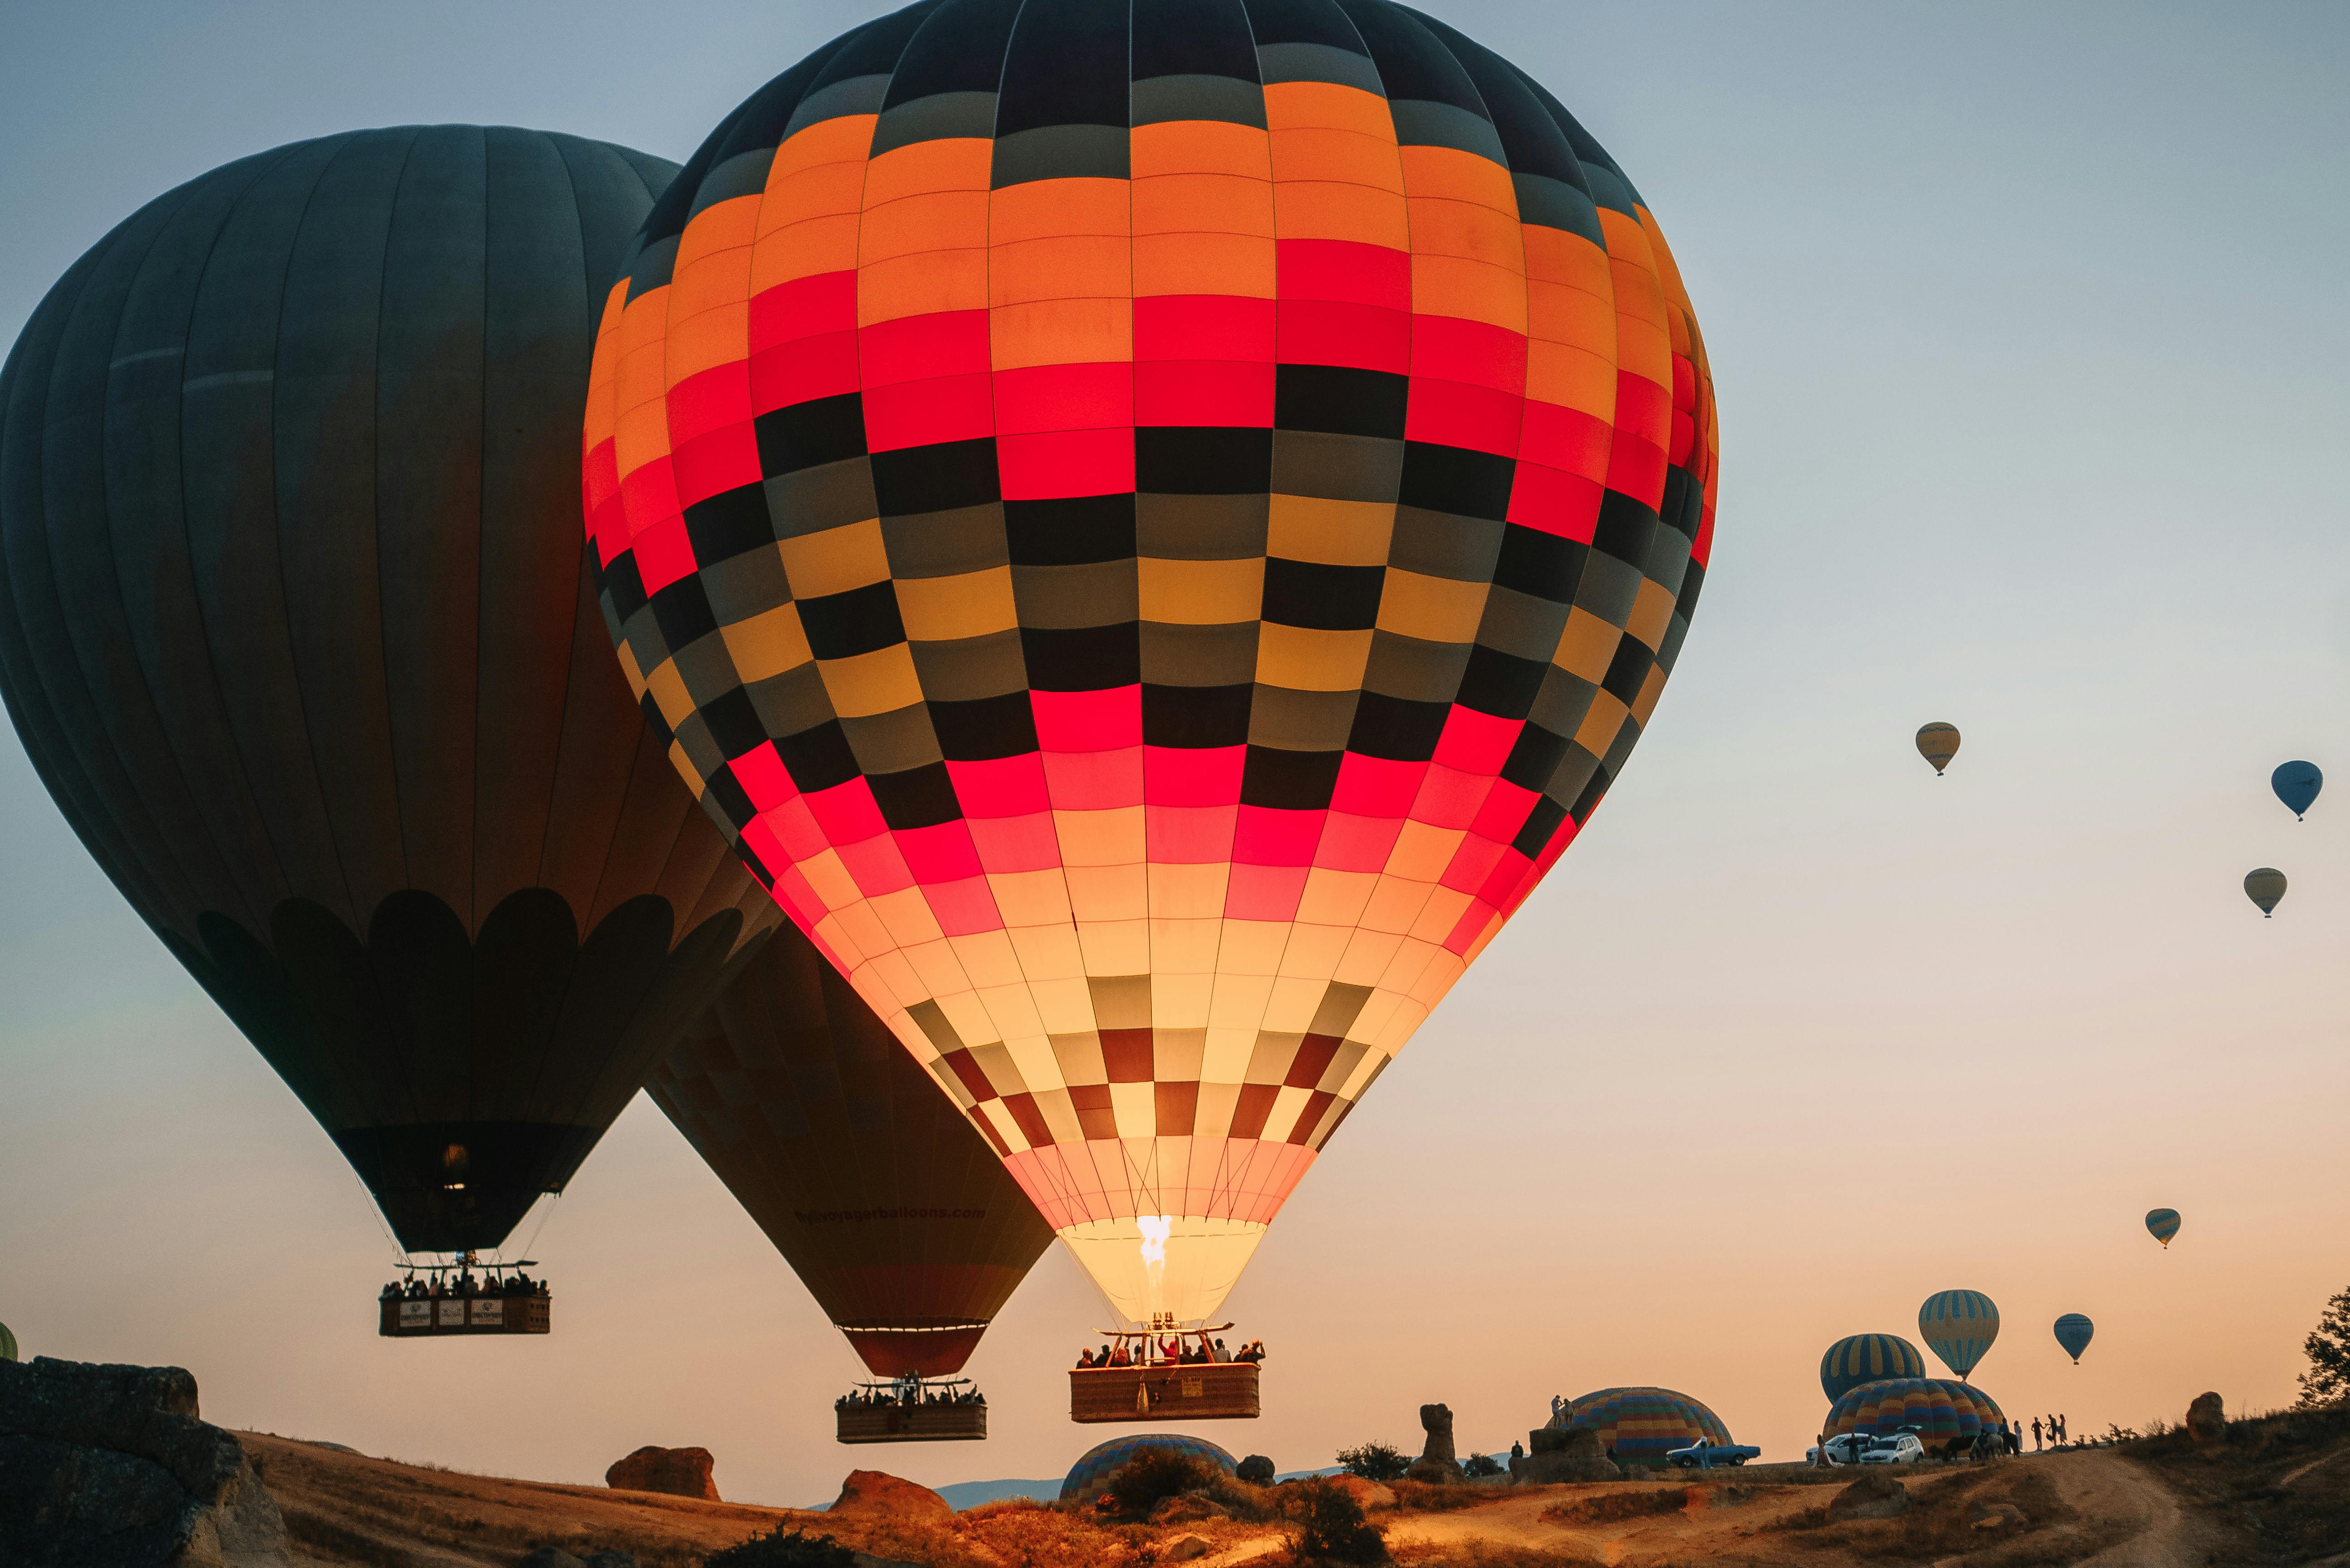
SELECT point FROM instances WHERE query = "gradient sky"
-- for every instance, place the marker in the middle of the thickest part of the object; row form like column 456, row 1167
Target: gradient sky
column 2027, row 325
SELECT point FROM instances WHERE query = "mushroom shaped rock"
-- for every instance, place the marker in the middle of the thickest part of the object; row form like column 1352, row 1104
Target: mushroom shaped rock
column 680, row 1472
column 1438, row 1462
column 1564, row 1454
column 872, row 1493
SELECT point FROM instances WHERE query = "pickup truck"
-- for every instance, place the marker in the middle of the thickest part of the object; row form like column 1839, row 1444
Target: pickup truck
column 1705, row 1456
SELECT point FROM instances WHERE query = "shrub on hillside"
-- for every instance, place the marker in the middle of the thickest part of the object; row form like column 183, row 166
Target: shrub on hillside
column 1156, row 1473
column 1483, row 1464
column 1257, row 1470
column 778, row 1550
column 1329, row 1526
column 1375, row 1461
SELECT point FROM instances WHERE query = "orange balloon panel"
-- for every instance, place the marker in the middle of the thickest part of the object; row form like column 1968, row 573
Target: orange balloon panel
column 1151, row 527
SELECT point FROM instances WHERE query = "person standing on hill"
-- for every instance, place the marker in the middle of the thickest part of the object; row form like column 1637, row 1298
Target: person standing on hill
column 2035, row 1434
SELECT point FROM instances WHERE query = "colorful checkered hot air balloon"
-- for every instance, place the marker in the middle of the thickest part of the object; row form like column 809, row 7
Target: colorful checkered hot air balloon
column 1959, row 1326
column 1942, row 1411
column 1641, row 1425
column 1151, row 526
column 1861, row 1358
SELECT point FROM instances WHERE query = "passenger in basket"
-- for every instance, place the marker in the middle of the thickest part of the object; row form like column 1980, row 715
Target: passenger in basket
column 1085, row 1360
column 1121, row 1356
column 390, row 1291
column 1220, row 1353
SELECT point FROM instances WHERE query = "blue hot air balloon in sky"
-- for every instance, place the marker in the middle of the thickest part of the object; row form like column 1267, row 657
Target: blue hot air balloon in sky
column 2162, row 1224
column 2073, row 1332
column 2296, row 785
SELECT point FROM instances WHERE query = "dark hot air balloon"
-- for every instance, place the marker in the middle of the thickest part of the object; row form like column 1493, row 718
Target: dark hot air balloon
column 2265, row 887
column 2162, row 1224
column 1152, row 527
column 1861, row 1358
column 1938, row 744
column 887, row 1203
column 1943, row 1412
column 294, row 628
column 2296, row 785
column 2073, row 1332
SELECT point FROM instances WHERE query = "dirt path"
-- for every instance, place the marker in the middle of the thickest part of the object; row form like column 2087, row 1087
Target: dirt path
column 2121, row 1493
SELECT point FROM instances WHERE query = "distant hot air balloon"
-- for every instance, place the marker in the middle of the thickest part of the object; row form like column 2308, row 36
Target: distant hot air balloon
column 292, row 625
column 1959, row 1326
column 2296, row 785
column 1867, row 1358
column 1151, row 526
column 2163, row 1223
column 1938, row 744
column 2265, row 887
column 897, row 1215
column 2073, row 1332
column 7, row 1343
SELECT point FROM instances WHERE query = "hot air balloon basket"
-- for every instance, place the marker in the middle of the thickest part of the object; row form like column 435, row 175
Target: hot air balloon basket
column 1218, row 1391
column 403, row 1318
column 910, row 1424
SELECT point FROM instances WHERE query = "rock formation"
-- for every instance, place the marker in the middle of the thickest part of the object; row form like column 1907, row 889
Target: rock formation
column 1876, row 1495
column 1189, row 1508
column 112, row 1466
column 1256, row 1470
column 1184, row 1549
column 870, row 1491
column 1437, row 1461
column 680, row 1472
column 1563, row 1454
column 2207, row 1422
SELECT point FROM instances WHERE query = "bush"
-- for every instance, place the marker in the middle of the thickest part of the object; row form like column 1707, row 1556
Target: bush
column 1483, row 1464
column 1156, row 1473
column 776, row 1549
column 1257, row 1470
column 1330, row 1527
column 1375, row 1461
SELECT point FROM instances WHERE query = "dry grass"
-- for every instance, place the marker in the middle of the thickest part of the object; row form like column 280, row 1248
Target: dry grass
column 1427, row 1497
column 1609, row 1507
column 1481, row 1553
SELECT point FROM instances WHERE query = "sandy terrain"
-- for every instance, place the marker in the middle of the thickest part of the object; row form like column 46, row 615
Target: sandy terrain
column 2281, row 1498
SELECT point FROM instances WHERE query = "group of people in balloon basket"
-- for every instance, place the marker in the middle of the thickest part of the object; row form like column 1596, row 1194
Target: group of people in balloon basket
column 466, row 1286
column 906, row 1393
column 1171, row 1351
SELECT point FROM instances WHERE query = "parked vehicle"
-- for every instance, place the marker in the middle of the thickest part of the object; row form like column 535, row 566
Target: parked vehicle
column 1845, row 1448
column 1705, row 1456
column 1901, row 1450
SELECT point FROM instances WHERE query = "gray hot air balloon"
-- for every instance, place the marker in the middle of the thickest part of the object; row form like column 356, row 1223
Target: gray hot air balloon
column 294, row 628
column 1938, row 744
column 2265, row 887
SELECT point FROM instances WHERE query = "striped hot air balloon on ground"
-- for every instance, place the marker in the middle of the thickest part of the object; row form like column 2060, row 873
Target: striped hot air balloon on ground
column 1641, row 1425
column 1151, row 527
column 1942, row 1411
column 1959, row 1326
column 1863, row 1358
column 2162, row 1224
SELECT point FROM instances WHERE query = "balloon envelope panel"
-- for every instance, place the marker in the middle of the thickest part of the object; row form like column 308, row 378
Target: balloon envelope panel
column 1959, row 1326
column 1939, row 1407
column 2162, row 1224
column 1151, row 527
column 892, row 1210
column 1090, row 1475
column 1867, row 1358
column 1641, row 1426
column 294, row 628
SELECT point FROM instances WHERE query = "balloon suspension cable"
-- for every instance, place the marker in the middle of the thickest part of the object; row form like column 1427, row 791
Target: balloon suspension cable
column 546, row 1212
column 401, row 1259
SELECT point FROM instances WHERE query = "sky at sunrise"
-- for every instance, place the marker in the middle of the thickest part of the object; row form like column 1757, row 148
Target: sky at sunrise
column 2028, row 332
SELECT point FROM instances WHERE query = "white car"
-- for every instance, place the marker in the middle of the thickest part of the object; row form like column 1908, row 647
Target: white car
column 1843, row 1449
column 1903, row 1450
